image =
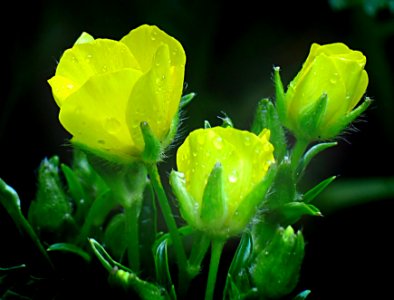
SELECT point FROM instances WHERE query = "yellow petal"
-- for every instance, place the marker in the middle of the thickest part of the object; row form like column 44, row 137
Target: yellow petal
column 84, row 60
column 95, row 113
column 156, row 96
column 359, row 91
column 322, row 77
column 144, row 42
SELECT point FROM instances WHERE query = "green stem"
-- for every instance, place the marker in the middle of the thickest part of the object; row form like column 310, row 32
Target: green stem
column 297, row 153
column 132, row 234
column 170, row 221
column 216, row 252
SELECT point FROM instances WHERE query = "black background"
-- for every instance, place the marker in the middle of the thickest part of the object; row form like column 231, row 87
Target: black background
column 231, row 49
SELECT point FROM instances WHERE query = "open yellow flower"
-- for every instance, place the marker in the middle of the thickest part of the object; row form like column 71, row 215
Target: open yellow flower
column 220, row 178
column 106, row 88
column 319, row 102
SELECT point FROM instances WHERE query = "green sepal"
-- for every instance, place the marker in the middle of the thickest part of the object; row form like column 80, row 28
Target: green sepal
column 266, row 116
column 312, row 152
column 50, row 209
column 214, row 202
column 153, row 150
column 126, row 278
column 226, row 120
column 207, row 124
column 280, row 96
column 186, row 99
column 310, row 195
column 275, row 270
column 303, row 295
column 355, row 113
column 9, row 198
column 70, row 248
column 253, row 201
column 115, row 238
column 311, row 119
column 290, row 213
column 163, row 275
column 188, row 206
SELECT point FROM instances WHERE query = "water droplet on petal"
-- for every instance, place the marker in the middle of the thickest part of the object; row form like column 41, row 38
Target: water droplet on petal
column 233, row 177
column 218, row 143
column 112, row 125
column 247, row 141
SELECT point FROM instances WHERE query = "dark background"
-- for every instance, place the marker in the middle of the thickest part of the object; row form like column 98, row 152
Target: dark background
column 231, row 49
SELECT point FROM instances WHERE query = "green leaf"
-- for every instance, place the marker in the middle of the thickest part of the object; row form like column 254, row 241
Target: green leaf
column 163, row 274
column 115, row 236
column 238, row 276
column 290, row 213
column 97, row 214
column 201, row 243
column 121, row 275
column 303, row 295
column 266, row 116
column 70, row 248
column 148, row 228
column 11, row 202
column 316, row 190
column 279, row 94
column 284, row 186
column 312, row 152
column 242, row 256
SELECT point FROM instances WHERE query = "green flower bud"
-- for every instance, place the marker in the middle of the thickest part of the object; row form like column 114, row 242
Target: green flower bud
column 276, row 268
column 319, row 102
column 51, row 207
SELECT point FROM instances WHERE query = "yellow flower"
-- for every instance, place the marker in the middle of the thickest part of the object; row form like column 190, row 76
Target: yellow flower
column 319, row 102
column 221, row 178
column 106, row 88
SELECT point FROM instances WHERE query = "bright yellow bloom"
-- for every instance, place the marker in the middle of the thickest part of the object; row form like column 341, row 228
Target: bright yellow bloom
column 243, row 159
column 106, row 88
column 328, row 87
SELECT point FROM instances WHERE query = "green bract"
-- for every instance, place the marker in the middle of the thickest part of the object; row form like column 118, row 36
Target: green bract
column 221, row 178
